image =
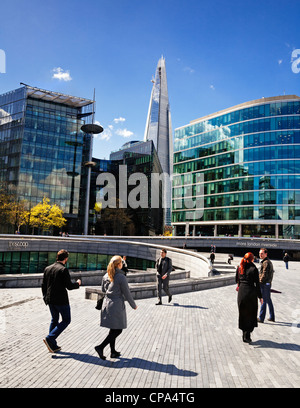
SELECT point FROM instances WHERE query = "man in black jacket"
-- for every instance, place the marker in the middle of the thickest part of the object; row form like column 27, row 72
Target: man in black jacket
column 55, row 282
column 163, row 268
column 265, row 281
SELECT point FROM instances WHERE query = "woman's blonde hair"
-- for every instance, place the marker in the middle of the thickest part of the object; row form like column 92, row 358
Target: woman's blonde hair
column 111, row 268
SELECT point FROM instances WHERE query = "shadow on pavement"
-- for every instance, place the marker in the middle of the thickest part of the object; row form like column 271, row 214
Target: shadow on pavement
column 127, row 363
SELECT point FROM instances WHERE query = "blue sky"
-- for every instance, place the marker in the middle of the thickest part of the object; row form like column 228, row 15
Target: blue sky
column 219, row 53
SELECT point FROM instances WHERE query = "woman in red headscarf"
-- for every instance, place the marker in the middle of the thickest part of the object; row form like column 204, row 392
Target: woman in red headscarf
column 249, row 290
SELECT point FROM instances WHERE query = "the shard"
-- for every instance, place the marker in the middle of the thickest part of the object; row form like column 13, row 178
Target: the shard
column 159, row 130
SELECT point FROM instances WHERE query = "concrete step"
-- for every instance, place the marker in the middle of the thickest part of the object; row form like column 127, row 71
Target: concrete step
column 143, row 283
column 223, row 267
column 148, row 289
column 150, row 275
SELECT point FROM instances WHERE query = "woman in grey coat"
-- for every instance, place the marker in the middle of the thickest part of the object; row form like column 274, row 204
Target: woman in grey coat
column 113, row 312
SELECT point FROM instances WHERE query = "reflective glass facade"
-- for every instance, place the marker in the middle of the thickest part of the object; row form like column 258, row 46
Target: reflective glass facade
column 159, row 129
column 43, row 150
column 139, row 158
column 245, row 165
column 36, row 262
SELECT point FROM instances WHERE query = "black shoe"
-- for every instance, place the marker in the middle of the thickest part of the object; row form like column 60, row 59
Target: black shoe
column 115, row 354
column 170, row 298
column 271, row 320
column 159, row 303
column 259, row 321
column 100, row 352
column 246, row 337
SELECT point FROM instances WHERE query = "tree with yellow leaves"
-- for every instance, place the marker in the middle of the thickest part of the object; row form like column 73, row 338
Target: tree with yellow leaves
column 19, row 214
column 13, row 211
column 46, row 216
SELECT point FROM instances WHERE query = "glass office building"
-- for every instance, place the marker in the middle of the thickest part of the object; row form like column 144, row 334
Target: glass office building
column 135, row 166
column 237, row 172
column 13, row 262
column 159, row 128
column 43, row 150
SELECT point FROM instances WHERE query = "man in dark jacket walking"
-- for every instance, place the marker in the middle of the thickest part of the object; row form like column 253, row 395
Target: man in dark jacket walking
column 163, row 268
column 56, row 281
column 265, row 280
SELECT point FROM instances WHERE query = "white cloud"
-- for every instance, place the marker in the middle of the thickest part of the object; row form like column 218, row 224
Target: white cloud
column 61, row 75
column 124, row 133
column 189, row 70
column 280, row 62
column 109, row 130
column 105, row 135
column 212, row 87
column 120, row 119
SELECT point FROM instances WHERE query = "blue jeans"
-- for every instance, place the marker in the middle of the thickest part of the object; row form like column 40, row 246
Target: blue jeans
column 266, row 294
column 57, row 328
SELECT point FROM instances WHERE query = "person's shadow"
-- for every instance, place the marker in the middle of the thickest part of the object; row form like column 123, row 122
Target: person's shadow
column 273, row 344
column 127, row 363
column 185, row 306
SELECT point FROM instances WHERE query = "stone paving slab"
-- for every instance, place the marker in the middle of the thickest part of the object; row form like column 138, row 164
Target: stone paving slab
column 193, row 342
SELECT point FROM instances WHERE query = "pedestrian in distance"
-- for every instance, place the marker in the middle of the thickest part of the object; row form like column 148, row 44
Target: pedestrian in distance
column 113, row 312
column 247, row 278
column 163, row 270
column 229, row 259
column 56, row 281
column 286, row 259
column 124, row 265
column 265, row 279
column 212, row 257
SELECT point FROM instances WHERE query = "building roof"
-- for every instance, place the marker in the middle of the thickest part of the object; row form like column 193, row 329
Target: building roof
column 50, row 96
column 247, row 104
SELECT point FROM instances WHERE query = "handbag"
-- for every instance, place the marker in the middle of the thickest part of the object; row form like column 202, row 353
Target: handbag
column 100, row 302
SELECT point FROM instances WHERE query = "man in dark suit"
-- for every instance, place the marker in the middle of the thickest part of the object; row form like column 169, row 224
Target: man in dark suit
column 163, row 268
column 56, row 281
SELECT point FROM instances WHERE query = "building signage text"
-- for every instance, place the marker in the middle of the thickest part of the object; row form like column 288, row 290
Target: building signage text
column 18, row 244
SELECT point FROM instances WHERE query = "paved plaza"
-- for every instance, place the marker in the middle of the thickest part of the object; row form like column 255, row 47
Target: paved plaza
column 192, row 342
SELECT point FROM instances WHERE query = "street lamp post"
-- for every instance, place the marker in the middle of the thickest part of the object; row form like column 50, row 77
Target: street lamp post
column 91, row 129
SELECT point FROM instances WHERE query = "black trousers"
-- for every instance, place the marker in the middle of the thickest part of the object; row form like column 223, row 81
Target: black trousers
column 162, row 283
column 111, row 339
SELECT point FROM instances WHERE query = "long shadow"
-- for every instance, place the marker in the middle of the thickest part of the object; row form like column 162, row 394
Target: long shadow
column 186, row 306
column 273, row 344
column 127, row 363
column 277, row 323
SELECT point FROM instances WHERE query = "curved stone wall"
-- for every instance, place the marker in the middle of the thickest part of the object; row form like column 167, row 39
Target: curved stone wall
column 197, row 264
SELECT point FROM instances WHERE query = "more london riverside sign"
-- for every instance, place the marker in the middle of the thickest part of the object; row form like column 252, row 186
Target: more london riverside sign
column 253, row 244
